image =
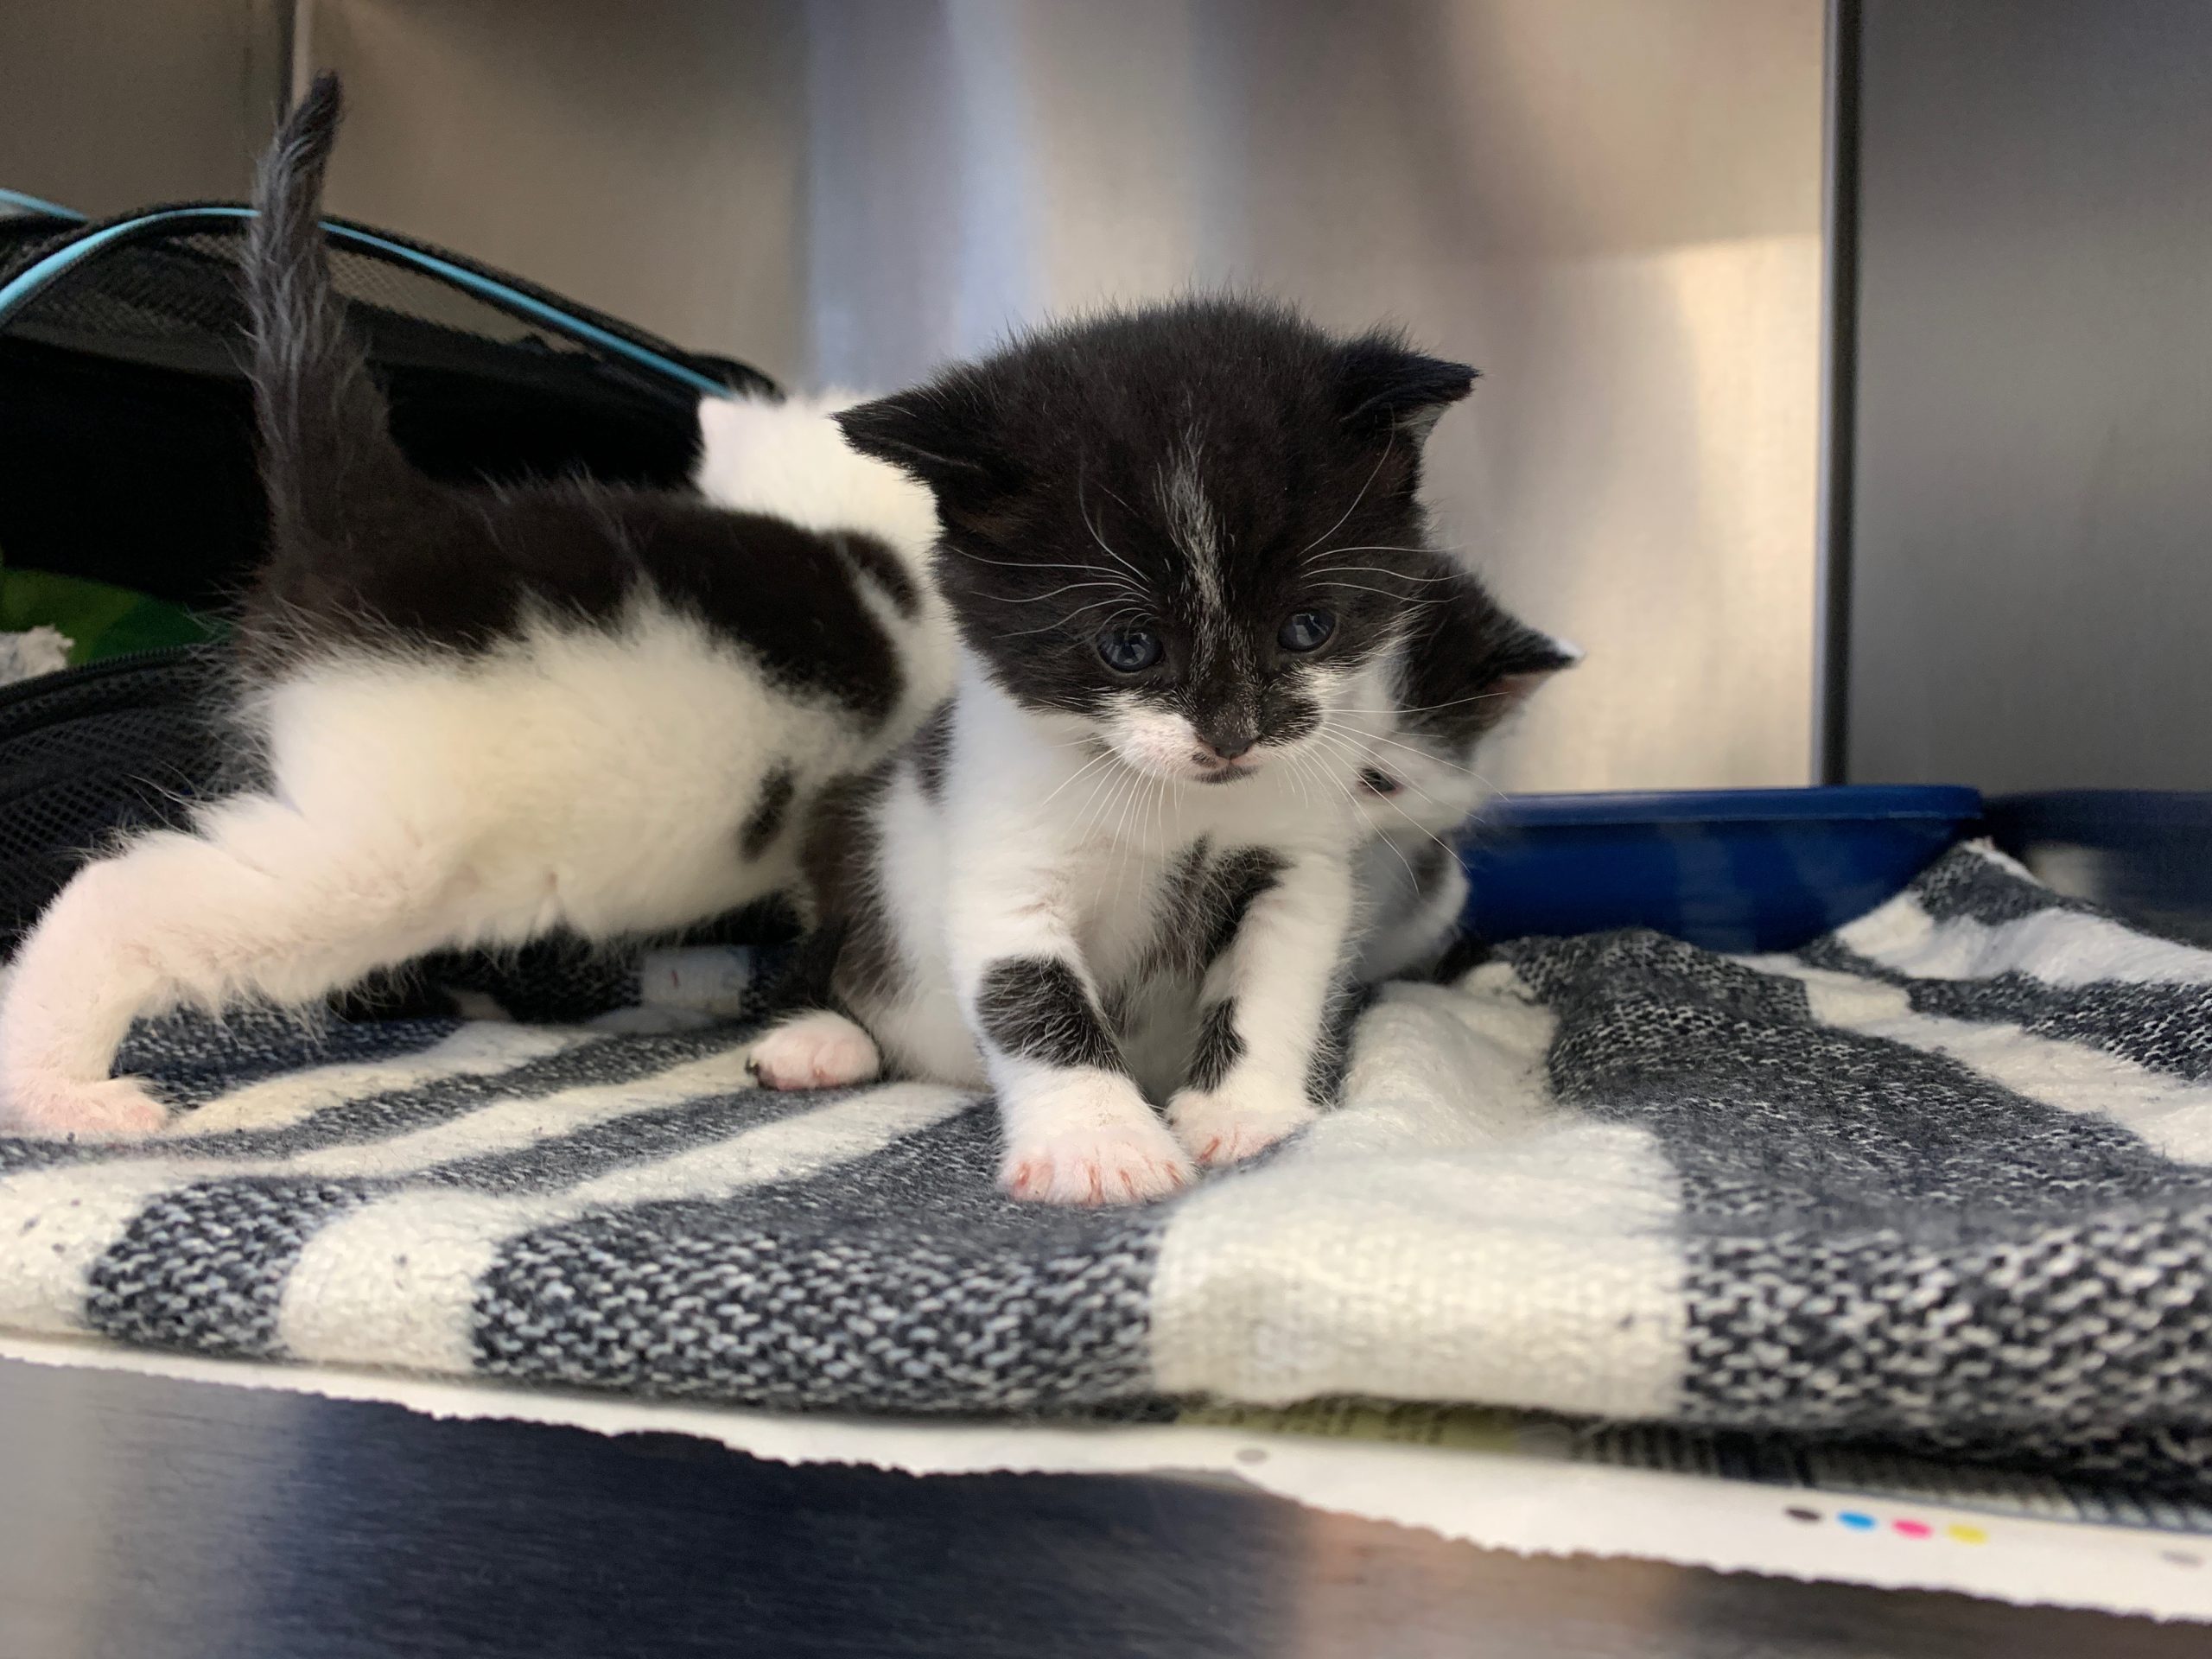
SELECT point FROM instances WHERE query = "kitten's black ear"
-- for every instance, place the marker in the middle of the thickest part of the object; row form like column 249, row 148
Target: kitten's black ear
column 1527, row 660
column 944, row 434
column 1383, row 387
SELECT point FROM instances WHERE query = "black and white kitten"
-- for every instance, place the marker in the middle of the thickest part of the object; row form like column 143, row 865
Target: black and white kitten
column 1186, row 554
column 1421, row 786
column 484, row 714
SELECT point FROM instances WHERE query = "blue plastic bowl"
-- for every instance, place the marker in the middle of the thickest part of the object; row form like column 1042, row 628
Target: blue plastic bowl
column 1732, row 869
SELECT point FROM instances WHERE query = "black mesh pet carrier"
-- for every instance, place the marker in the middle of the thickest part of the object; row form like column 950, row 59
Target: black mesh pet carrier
column 127, row 429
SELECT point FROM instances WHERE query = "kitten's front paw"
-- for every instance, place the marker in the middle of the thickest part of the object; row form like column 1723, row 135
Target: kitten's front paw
column 114, row 1109
column 815, row 1051
column 1244, row 1116
column 1091, row 1139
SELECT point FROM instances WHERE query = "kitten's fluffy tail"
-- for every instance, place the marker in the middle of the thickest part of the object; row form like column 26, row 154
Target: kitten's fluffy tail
column 326, row 437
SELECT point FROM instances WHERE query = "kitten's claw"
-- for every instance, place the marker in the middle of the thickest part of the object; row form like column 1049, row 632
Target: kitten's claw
column 114, row 1109
column 1089, row 1139
column 1243, row 1116
column 815, row 1051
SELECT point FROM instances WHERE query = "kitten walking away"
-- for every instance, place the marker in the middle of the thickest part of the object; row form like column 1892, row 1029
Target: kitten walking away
column 483, row 713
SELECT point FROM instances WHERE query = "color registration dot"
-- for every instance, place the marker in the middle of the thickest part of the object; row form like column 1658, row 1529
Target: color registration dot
column 1855, row 1521
column 1966, row 1535
column 1912, row 1528
column 1802, row 1514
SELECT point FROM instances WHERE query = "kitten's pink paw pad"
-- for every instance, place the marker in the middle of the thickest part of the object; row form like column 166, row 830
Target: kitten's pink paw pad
column 1230, row 1124
column 114, row 1108
column 816, row 1051
column 1114, row 1165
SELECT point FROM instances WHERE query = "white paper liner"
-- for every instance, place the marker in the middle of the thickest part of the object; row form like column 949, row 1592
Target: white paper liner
column 1484, row 1486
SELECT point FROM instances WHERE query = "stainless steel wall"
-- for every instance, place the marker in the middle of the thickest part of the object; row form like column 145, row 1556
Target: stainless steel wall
column 2032, row 566
column 649, row 159
column 1610, row 206
column 108, row 106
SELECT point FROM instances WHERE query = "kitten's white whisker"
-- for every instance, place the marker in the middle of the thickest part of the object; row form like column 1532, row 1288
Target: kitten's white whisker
column 1118, row 500
column 1027, row 564
column 1375, row 570
column 1301, row 766
column 1102, row 755
column 1134, row 848
column 1123, row 803
column 1360, row 587
column 1448, row 847
column 1385, row 547
column 1065, row 623
column 1426, row 754
column 1102, row 784
column 1345, row 739
column 1417, row 825
column 1372, row 475
column 1325, row 733
column 1084, row 507
column 1426, row 708
column 1039, row 599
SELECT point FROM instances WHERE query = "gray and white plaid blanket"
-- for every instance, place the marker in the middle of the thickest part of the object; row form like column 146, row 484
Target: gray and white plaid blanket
column 1941, row 1178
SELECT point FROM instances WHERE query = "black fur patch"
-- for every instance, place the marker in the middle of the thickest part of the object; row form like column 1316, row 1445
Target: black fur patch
column 1218, row 1047
column 1295, row 716
column 1237, row 883
column 807, row 979
column 1114, row 1002
column 1204, row 902
column 874, row 560
column 1325, row 1072
column 765, row 821
column 1467, row 953
column 368, row 553
column 838, row 863
column 1430, row 862
column 1037, row 1008
column 464, row 570
column 929, row 747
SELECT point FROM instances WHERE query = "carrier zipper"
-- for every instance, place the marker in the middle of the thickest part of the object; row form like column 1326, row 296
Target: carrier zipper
column 38, row 685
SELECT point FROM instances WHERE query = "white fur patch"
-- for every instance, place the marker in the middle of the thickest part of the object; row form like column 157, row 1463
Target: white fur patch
column 789, row 459
column 1194, row 527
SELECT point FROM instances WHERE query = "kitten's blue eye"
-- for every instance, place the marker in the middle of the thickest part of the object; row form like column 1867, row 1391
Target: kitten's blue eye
column 1130, row 650
column 1306, row 631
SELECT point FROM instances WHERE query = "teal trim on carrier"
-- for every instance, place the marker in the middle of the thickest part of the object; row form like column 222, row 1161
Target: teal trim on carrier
column 23, row 201
column 30, row 282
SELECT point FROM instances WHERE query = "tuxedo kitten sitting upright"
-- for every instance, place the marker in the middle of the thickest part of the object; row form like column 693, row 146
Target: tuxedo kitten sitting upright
column 1184, row 551
column 484, row 714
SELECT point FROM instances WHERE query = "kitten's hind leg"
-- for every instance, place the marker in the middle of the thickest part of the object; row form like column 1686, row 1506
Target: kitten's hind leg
column 260, row 901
